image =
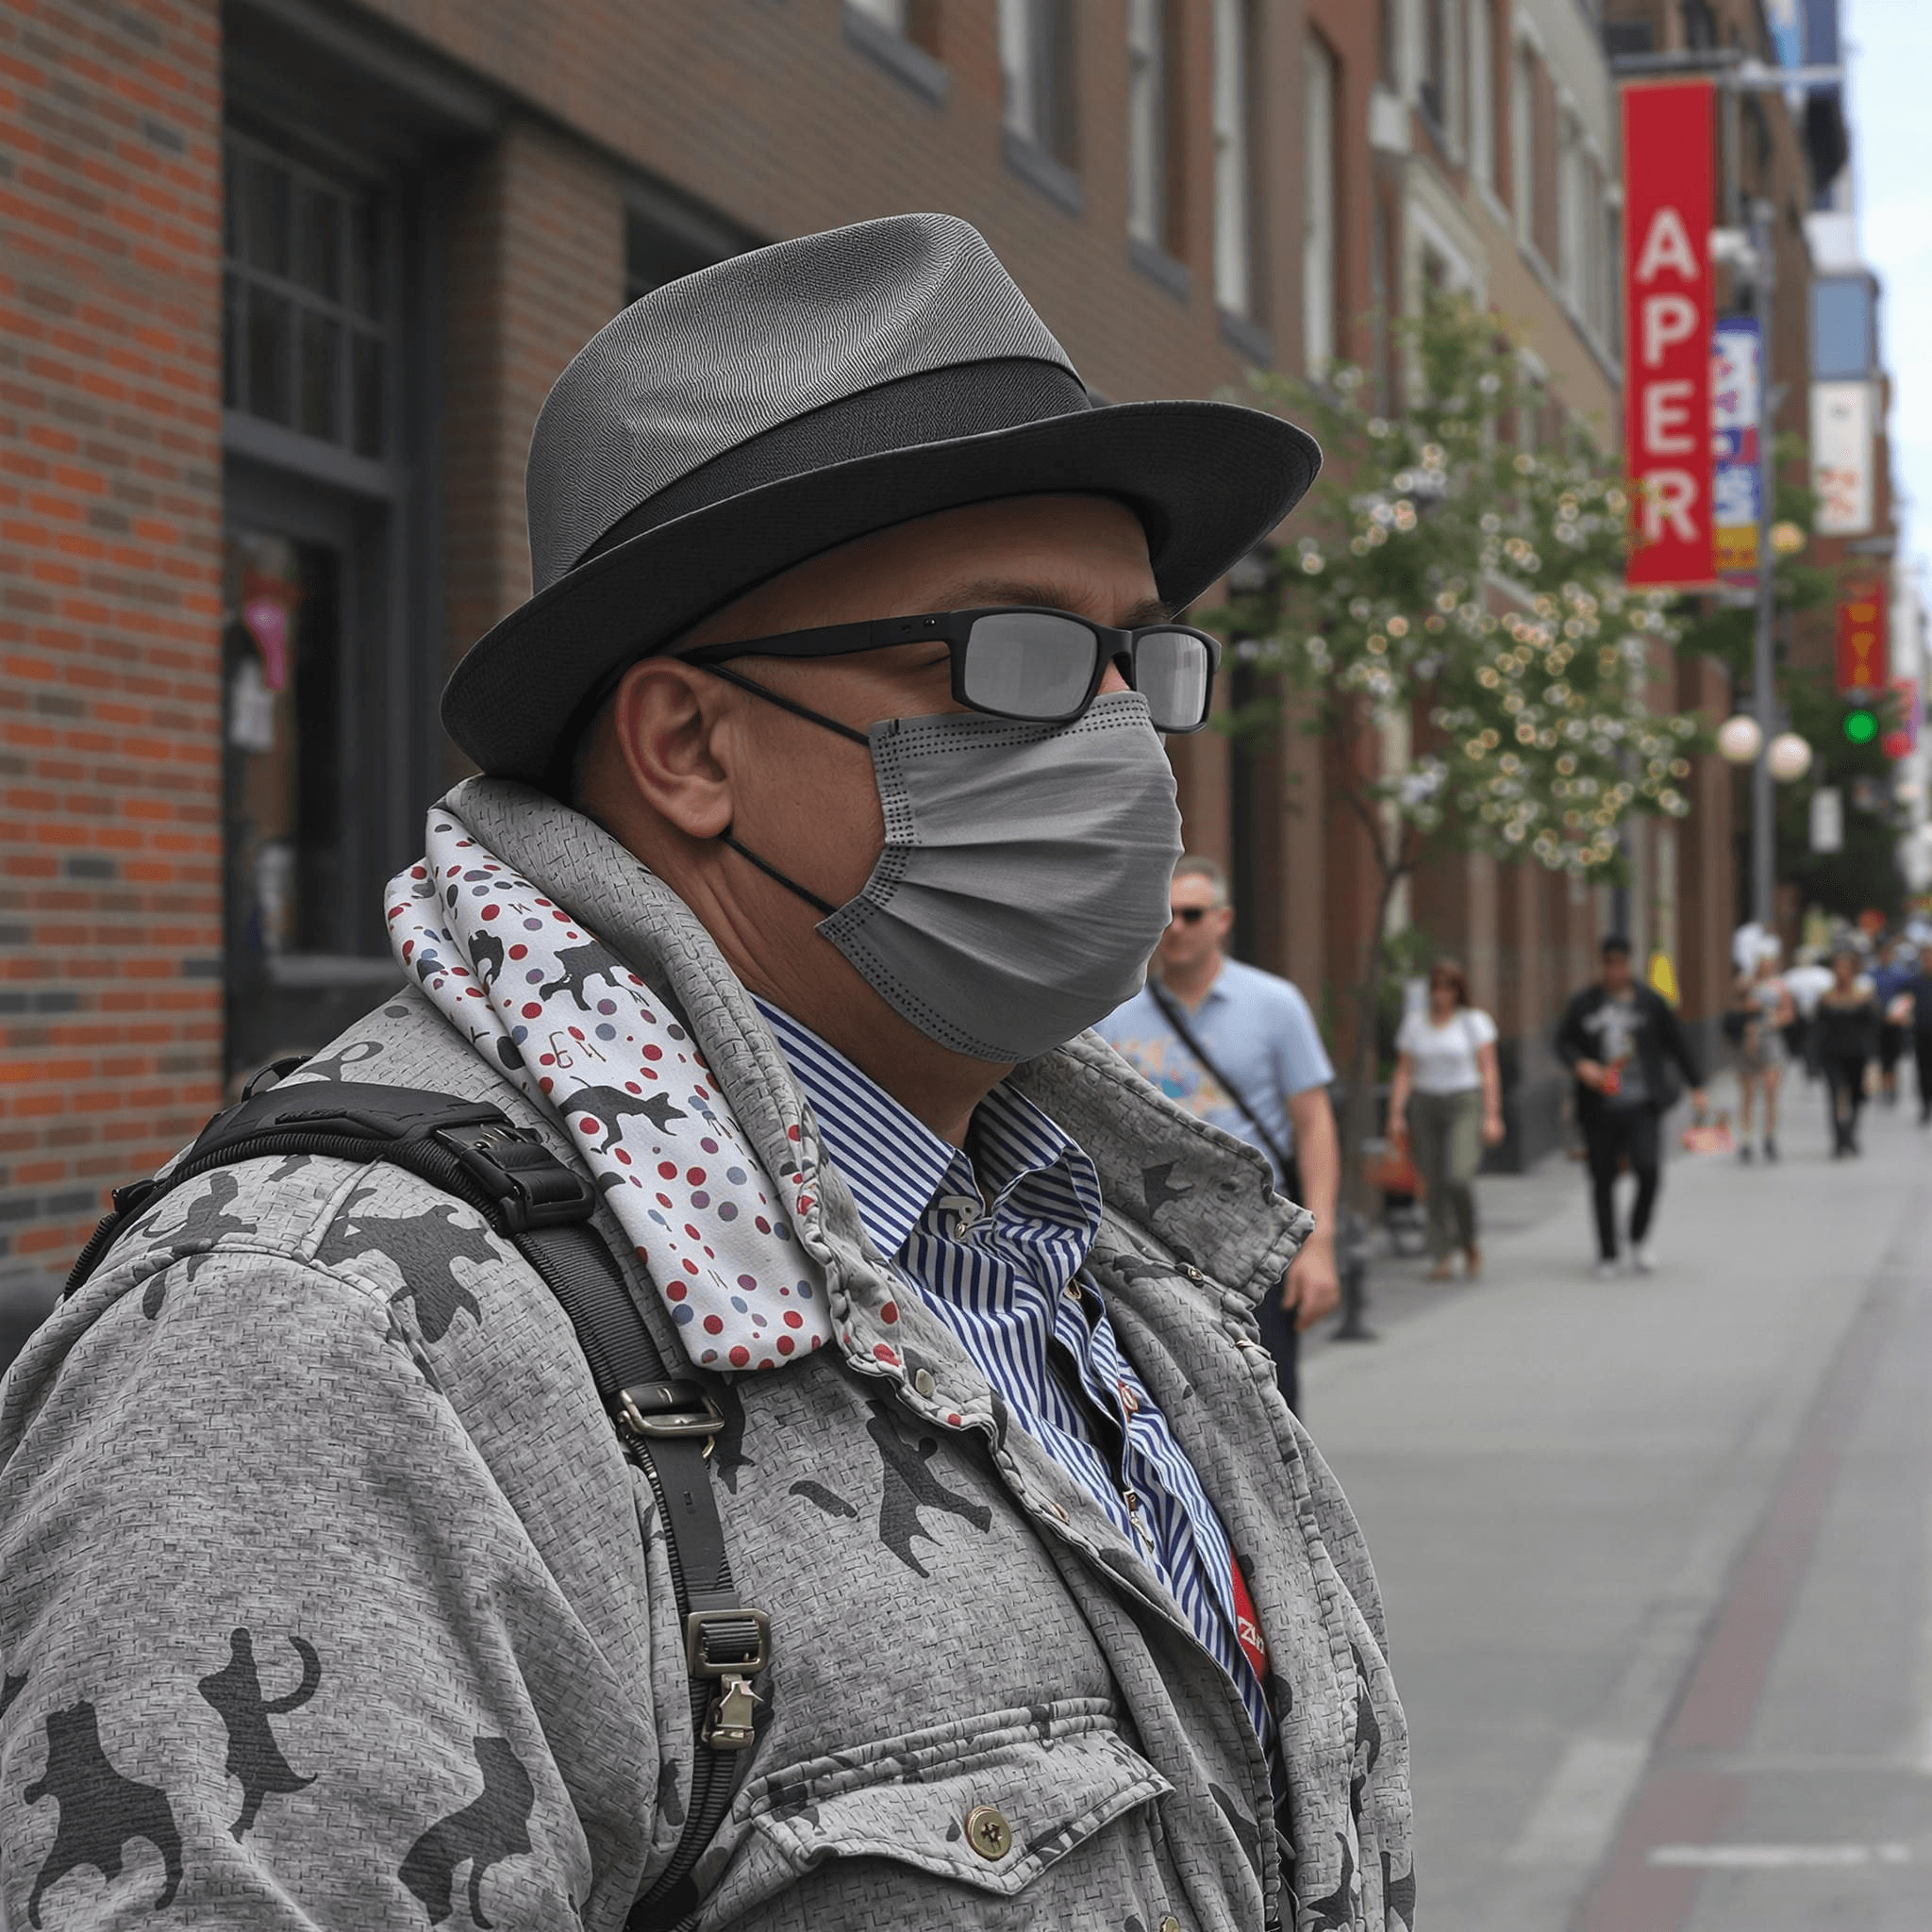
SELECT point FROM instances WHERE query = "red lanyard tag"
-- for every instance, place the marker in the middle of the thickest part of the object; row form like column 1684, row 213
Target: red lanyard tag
column 1247, row 1627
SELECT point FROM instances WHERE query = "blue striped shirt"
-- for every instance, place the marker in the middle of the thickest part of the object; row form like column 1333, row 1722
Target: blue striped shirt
column 995, row 1243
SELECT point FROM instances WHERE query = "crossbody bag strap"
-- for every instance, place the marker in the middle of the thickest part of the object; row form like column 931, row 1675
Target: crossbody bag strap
column 665, row 1422
column 1172, row 1013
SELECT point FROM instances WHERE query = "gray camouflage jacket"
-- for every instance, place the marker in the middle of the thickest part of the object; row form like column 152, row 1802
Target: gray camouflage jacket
column 327, row 1598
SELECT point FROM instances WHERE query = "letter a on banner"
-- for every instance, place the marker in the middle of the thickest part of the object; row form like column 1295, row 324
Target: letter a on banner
column 1669, row 186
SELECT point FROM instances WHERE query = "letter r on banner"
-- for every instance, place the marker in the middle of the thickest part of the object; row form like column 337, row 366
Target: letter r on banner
column 1669, row 186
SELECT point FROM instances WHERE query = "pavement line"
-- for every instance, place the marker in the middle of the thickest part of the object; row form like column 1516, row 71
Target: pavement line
column 1581, row 1805
column 1727, row 1681
column 1778, row 1858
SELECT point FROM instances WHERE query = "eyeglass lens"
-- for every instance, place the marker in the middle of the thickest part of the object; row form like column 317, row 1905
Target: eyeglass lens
column 1033, row 664
column 1190, row 915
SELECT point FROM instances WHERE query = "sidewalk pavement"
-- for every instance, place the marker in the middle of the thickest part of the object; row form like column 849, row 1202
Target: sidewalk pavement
column 1656, row 1552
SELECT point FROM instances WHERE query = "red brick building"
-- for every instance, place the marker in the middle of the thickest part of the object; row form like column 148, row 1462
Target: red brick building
column 282, row 285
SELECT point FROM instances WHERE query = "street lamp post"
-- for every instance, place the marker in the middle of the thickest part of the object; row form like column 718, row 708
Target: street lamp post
column 1763, row 652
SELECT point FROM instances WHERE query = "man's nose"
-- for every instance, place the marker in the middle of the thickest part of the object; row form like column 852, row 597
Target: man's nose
column 1112, row 682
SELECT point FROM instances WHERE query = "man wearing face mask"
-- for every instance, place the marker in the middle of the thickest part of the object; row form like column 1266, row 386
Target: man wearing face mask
column 824, row 808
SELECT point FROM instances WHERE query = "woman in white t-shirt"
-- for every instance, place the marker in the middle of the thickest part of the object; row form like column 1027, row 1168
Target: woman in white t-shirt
column 1446, row 1104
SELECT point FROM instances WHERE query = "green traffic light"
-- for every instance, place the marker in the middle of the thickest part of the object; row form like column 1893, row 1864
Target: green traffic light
column 1861, row 727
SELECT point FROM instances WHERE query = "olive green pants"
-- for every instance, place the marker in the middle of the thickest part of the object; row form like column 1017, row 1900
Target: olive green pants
column 1445, row 1138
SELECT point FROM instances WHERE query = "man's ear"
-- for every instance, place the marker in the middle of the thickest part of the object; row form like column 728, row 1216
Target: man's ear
column 673, row 728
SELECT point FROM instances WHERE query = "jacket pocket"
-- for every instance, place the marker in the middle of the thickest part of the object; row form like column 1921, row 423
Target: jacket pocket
column 990, row 1804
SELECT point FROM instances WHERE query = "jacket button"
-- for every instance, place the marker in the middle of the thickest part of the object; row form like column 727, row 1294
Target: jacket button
column 988, row 1832
column 923, row 1381
column 1170, row 1923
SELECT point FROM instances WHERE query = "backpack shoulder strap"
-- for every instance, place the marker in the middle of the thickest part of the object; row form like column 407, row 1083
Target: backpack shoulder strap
column 664, row 1420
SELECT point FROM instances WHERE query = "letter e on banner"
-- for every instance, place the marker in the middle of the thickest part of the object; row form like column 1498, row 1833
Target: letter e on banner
column 1669, row 186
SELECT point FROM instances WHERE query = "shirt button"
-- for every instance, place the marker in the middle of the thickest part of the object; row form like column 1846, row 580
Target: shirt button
column 1072, row 1291
column 1192, row 1272
column 922, row 1381
column 1170, row 1923
column 1129, row 1401
column 988, row 1833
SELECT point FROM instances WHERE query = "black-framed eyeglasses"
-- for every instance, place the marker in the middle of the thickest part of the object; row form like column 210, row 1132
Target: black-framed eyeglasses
column 1025, row 661
column 1192, row 915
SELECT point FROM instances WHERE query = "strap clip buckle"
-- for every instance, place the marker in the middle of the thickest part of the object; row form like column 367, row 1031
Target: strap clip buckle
column 733, row 1642
column 532, row 1189
column 666, row 1408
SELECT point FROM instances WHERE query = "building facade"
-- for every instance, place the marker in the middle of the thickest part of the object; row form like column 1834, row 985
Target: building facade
column 283, row 284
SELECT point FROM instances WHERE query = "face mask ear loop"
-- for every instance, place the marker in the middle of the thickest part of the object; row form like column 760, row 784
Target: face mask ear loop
column 772, row 872
column 772, row 697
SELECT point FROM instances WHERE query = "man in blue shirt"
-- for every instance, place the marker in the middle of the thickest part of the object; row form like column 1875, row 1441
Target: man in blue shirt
column 1268, row 1083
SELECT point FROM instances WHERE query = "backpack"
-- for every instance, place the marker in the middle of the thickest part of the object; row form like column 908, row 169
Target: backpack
column 664, row 1422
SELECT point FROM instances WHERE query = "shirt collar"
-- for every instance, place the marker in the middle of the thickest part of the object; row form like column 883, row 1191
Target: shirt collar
column 895, row 1164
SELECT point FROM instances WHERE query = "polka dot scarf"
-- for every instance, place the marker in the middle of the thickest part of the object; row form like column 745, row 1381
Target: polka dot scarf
column 583, row 1038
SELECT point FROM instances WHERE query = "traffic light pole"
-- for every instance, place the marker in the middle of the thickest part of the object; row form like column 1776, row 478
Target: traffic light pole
column 1764, row 641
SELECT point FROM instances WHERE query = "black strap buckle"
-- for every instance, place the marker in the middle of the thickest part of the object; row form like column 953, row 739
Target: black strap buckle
column 666, row 1408
column 734, row 1642
column 531, row 1187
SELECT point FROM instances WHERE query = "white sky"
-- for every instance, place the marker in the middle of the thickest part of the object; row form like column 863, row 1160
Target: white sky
column 1888, row 43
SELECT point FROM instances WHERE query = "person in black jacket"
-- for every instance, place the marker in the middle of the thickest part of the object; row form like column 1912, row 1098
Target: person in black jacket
column 1624, row 1046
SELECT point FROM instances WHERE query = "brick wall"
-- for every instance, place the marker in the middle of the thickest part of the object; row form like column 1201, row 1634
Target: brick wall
column 537, row 267
column 109, row 603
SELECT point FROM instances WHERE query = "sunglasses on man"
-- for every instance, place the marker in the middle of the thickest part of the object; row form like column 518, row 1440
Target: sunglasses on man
column 1024, row 661
column 1192, row 915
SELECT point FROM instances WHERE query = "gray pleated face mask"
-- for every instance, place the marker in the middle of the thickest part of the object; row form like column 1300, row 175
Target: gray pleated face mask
column 1024, row 882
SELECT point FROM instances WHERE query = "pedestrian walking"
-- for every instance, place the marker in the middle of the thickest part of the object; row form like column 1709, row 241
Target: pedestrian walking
column 1445, row 1105
column 1919, row 990
column 1847, row 1027
column 1240, row 1047
column 879, row 1520
column 1806, row 981
column 1761, row 1015
column 1622, row 1042
column 1890, row 979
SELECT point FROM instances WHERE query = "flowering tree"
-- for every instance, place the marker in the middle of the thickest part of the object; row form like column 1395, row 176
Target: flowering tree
column 1457, row 626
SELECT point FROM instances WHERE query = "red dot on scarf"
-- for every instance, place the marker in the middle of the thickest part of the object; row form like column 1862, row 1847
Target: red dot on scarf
column 696, row 1176
column 714, row 1324
column 793, row 1319
column 532, row 1011
column 739, row 1355
column 890, row 1312
column 885, row 1354
column 786, row 1345
column 668, row 1170
column 490, row 910
column 676, row 1290
column 520, row 952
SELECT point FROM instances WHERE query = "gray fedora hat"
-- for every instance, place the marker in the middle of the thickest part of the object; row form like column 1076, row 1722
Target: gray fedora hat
column 737, row 421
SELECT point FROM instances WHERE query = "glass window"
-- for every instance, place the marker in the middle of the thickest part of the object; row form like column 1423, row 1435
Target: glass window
column 1482, row 127
column 1146, row 122
column 1433, row 90
column 302, row 299
column 1318, row 278
column 1843, row 334
column 1233, row 225
column 1523, row 141
column 1037, row 73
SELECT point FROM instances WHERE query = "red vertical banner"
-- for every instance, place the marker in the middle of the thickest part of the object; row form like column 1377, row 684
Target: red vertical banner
column 1864, row 663
column 1668, row 187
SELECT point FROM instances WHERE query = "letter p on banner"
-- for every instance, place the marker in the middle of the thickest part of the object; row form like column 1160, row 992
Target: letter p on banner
column 1668, row 187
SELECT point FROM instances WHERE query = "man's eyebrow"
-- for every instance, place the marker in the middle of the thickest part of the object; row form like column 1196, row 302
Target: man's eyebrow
column 982, row 591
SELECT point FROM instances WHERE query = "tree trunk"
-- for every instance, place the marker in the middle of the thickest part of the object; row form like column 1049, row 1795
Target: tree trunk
column 1358, row 1114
